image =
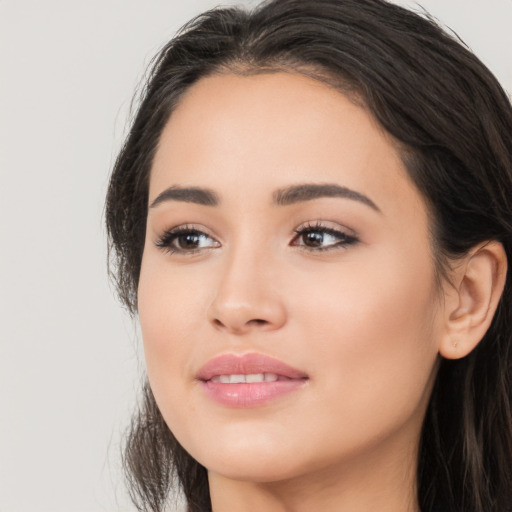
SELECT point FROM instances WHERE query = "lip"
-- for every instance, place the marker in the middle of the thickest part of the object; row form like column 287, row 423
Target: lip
column 253, row 394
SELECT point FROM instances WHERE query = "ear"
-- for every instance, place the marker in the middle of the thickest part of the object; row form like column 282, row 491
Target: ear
column 470, row 306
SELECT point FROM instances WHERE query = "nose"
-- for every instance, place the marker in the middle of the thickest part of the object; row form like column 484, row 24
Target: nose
column 247, row 297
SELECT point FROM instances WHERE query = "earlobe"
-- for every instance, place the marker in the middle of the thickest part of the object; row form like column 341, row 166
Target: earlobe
column 479, row 283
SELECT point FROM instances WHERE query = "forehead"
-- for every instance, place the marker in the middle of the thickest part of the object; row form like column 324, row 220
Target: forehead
column 270, row 130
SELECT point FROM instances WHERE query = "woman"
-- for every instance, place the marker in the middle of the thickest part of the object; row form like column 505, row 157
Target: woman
column 312, row 216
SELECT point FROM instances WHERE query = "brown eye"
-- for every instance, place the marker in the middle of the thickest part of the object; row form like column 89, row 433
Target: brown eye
column 313, row 239
column 321, row 238
column 186, row 240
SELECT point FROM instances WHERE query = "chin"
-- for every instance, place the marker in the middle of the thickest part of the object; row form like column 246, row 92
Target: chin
column 246, row 457
column 264, row 470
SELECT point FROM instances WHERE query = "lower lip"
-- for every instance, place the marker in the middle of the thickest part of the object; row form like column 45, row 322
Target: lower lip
column 254, row 394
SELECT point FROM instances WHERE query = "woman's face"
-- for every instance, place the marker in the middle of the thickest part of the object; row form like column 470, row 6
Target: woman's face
column 285, row 241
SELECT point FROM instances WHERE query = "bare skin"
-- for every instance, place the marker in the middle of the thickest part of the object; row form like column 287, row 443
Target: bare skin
column 339, row 286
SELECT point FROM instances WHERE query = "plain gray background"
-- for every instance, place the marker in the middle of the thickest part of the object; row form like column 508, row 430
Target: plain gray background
column 70, row 360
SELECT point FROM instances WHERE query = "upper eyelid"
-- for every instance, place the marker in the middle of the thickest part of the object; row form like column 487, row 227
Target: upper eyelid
column 331, row 226
column 309, row 225
column 188, row 227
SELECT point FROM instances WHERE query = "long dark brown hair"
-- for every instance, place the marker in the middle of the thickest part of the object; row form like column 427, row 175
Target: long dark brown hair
column 453, row 122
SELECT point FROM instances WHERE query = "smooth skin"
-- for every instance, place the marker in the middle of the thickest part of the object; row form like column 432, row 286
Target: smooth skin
column 339, row 288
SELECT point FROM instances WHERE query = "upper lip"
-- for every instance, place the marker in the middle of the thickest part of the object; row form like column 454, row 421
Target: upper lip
column 244, row 364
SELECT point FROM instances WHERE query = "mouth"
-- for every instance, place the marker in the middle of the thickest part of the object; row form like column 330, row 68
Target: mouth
column 240, row 378
column 248, row 380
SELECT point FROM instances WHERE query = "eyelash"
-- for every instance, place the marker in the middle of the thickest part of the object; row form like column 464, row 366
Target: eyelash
column 166, row 241
column 344, row 238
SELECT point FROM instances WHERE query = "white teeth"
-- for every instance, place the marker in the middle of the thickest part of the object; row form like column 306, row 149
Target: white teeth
column 242, row 379
column 254, row 377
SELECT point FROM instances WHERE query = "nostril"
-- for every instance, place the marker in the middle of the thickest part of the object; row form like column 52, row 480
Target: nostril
column 258, row 321
column 255, row 322
column 226, row 314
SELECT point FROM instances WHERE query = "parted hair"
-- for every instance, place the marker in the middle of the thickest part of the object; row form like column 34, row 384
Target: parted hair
column 453, row 124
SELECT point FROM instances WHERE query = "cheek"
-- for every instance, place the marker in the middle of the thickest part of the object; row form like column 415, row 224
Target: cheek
column 168, row 315
column 374, row 333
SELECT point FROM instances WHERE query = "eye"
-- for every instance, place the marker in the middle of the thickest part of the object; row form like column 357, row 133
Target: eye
column 322, row 238
column 186, row 240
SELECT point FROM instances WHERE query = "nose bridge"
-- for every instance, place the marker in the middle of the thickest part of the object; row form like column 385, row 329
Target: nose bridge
column 246, row 296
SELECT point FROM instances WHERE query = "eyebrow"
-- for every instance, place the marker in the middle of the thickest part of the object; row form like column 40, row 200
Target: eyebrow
column 281, row 197
column 197, row 195
column 309, row 191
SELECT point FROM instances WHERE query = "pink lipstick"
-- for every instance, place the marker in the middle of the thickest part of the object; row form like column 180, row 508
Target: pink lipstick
column 248, row 380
